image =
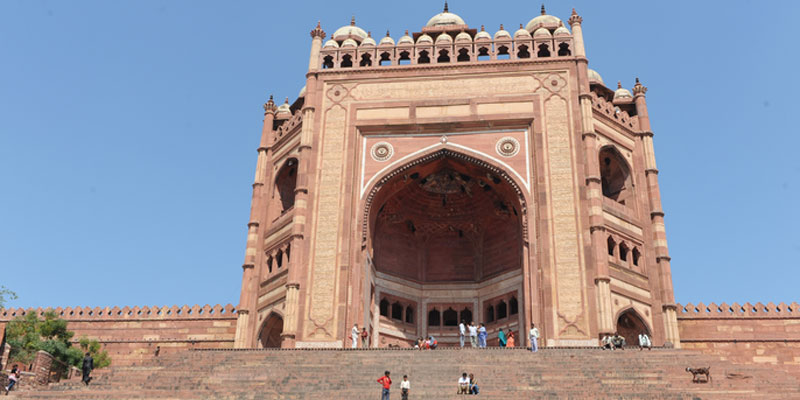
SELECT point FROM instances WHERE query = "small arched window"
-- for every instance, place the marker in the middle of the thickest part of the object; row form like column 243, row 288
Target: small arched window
column 397, row 311
column 502, row 310
column 424, row 57
column 434, row 317
column 466, row 315
column 483, row 54
column 502, row 53
column 366, row 60
column 463, row 55
column 410, row 315
column 623, row 252
column 513, row 306
column 490, row 314
column 544, row 51
column 611, row 245
column 279, row 258
column 450, row 317
column 347, row 61
column 384, row 308
column 285, row 184
column 615, row 175
column 563, row 50
column 405, row 58
column 444, row 56
column 269, row 264
column 327, row 62
column 636, row 255
column 523, row 52
column 386, row 59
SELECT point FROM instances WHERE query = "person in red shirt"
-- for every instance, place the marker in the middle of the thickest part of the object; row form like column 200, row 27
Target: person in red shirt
column 387, row 383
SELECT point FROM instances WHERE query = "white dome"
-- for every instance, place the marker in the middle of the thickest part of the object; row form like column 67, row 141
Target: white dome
column 302, row 92
column 330, row 43
column 463, row 37
column 561, row 31
column 548, row 21
column 284, row 108
column 595, row 77
column 622, row 93
column 483, row 35
column 349, row 43
column 406, row 39
column 521, row 33
column 424, row 38
column 349, row 32
column 542, row 32
column 445, row 18
column 444, row 38
column 369, row 41
column 386, row 41
column 502, row 34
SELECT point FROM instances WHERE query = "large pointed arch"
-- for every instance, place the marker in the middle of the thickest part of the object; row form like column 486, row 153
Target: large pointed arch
column 270, row 334
column 629, row 324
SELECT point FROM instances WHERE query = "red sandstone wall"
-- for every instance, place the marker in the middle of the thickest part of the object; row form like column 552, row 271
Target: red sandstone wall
column 131, row 335
column 744, row 334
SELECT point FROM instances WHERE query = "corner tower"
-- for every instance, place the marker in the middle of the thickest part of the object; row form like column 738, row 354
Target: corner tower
column 455, row 174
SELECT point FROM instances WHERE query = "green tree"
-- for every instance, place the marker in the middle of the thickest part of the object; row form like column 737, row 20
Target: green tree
column 100, row 356
column 6, row 295
column 28, row 334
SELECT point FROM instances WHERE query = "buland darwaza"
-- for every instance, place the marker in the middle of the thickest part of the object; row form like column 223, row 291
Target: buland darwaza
column 456, row 174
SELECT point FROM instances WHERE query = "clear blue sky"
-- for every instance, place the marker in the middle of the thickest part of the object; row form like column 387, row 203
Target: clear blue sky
column 128, row 133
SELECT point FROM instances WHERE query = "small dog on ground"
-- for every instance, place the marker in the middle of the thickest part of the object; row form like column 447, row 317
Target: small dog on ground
column 698, row 373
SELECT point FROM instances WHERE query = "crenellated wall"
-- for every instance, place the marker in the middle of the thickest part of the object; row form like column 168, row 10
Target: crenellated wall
column 131, row 334
column 744, row 333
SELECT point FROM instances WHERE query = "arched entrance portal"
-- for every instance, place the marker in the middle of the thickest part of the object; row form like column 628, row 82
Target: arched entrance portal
column 270, row 335
column 446, row 243
column 630, row 325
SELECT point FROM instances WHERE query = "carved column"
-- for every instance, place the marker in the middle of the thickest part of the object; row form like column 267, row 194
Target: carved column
column 298, row 267
column 247, row 313
column 657, row 218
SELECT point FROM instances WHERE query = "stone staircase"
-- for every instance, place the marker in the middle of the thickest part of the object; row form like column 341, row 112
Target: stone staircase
column 585, row 373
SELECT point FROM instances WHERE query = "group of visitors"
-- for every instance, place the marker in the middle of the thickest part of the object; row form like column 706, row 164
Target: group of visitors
column 13, row 377
column 426, row 344
column 386, row 383
column 467, row 384
column 355, row 334
column 615, row 341
column 477, row 336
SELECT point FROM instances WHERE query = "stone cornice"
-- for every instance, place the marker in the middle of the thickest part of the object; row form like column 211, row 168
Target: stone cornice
column 444, row 66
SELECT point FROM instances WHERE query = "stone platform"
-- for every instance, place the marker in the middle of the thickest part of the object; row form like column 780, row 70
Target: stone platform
column 578, row 373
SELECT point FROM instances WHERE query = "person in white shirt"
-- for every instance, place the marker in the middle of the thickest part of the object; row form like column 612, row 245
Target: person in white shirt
column 644, row 341
column 354, row 335
column 534, row 338
column 462, row 333
column 463, row 384
column 473, row 335
column 405, row 386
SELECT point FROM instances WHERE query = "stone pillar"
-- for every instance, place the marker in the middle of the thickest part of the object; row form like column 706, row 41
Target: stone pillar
column 5, row 354
column 657, row 218
column 247, row 315
column 291, row 323
column 575, row 21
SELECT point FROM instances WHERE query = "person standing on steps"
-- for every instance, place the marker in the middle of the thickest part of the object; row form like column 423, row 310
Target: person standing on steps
column 13, row 377
column 473, row 334
column 534, row 338
column 644, row 341
column 405, row 387
column 462, row 333
column 354, row 333
column 510, row 342
column 502, row 338
column 482, row 336
column 386, row 382
column 364, row 337
column 87, row 367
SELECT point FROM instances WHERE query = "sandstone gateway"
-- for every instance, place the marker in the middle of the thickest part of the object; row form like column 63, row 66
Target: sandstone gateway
column 454, row 173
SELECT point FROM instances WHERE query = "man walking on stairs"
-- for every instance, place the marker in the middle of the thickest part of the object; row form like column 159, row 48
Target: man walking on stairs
column 387, row 384
column 87, row 367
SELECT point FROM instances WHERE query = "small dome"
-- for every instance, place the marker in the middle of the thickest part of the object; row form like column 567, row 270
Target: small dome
column 330, row 43
column 483, row 35
column 502, row 34
column 561, row 31
column 622, row 93
column 444, row 38
column 542, row 32
column 369, row 41
column 548, row 21
column 445, row 18
column 595, row 77
column 386, row 41
column 406, row 39
column 349, row 32
column 349, row 43
column 302, row 92
column 463, row 37
column 424, row 39
column 521, row 33
column 284, row 108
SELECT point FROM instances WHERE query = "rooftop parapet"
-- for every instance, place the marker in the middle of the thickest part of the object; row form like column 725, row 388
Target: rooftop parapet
column 736, row 310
